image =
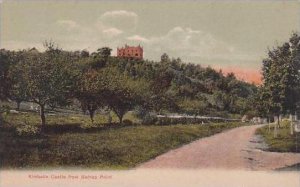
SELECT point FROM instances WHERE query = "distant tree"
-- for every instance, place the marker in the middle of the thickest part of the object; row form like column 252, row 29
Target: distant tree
column 197, row 106
column 18, row 91
column 5, row 63
column 160, row 99
column 165, row 58
column 100, row 58
column 120, row 96
column 84, row 54
column 89, row 92
column 104, row 52
column 162, row 102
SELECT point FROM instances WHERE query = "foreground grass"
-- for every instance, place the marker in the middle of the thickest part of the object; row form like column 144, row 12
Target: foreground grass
column 111, row 148
column 284, row 142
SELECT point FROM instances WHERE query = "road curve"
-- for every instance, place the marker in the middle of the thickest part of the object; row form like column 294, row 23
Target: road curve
column 233, row 149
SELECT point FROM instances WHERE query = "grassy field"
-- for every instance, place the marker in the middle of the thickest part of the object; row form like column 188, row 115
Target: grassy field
column 117, row 147
column 284, row 142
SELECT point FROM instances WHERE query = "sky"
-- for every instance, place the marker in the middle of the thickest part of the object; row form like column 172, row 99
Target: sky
column 230, row 35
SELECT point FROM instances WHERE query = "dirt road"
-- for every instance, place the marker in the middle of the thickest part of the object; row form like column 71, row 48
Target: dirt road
column 234, row 149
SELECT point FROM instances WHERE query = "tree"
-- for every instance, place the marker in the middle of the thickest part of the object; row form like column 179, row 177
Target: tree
column 104, row 52
column 274, row 85
column 5, row 63
column 100, row 58
column 5, row 86
column 165, row 58
column 281, row 79
column 18, row 92
column 120, row 97
column 49, row 77
column 160, row 99
column 84, row 54
column 294, row 96
column 89, row 92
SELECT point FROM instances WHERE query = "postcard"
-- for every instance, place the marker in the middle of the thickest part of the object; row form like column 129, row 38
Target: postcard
column 149, row 93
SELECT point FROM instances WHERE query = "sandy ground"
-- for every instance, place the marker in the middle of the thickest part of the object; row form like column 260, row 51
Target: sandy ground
column 237, row 148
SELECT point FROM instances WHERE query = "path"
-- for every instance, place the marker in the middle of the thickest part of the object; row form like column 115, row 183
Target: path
column 233, row 149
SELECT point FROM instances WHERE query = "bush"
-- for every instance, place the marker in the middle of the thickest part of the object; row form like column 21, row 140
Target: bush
column 144, row 115
column 27, row 130
column 127, row 122
column 140, row 112
column 62, row 128
column 1, row 119
column 87, row 125
column 149, row 119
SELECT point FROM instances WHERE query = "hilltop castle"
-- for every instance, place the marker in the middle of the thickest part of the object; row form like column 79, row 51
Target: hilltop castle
column 130, row 52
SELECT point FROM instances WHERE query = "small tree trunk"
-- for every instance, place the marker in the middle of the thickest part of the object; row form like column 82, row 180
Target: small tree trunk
column 18, row 105
column 109, row 118
column 275, row 127
column 120, row 118
column 292, row 126
column 91, row 112
column 42, row 114
column 279, row 120
column 269, row 125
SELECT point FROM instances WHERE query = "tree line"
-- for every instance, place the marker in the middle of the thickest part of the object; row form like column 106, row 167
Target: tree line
column 98, row 80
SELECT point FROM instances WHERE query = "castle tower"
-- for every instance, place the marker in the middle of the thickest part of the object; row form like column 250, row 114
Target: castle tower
column 130, row 52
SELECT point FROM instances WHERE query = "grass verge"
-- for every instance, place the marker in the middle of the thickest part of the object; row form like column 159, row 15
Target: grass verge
column 284, row 142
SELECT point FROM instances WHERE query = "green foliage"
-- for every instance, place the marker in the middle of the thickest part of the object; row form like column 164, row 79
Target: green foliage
column 144, row 115
column 18, row 91
column 50, row 78
column 5, row 63
column 172, row 82
column 121, row 97
column 281, row 73
column 99, row 59
column 90, row 92
column 55, row 77
column 195, row 106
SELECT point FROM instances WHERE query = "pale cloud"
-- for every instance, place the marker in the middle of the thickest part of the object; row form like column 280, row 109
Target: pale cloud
column 137, row 38
column 70, row 24
column 120, row 19
column 111, row 32
column 119, row 13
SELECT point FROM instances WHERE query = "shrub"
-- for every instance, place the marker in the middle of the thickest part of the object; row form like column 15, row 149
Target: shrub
column 1, row 119
column 62, row 128
column 88, row 125
column 140, row 112
column 27, row 130
column 127, row 122
column 149, row 119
